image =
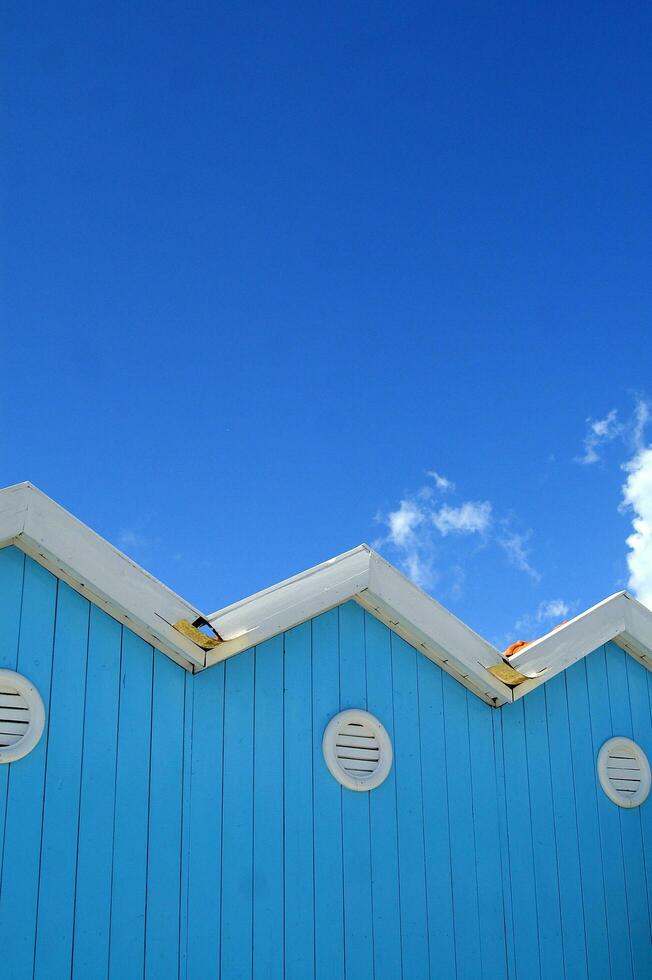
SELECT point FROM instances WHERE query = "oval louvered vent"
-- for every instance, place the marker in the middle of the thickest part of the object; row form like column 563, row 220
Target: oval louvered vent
column 357, row 750
column 624, row 772
column 22, row 716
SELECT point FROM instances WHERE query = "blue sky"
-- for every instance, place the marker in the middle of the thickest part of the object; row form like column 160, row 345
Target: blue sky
column 267, row 267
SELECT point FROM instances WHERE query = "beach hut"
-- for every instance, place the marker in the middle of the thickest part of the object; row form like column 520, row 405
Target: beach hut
column 332, row 778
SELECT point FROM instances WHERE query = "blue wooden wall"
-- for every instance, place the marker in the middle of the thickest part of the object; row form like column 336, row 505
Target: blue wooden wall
column 90, row 857
column 176, row 827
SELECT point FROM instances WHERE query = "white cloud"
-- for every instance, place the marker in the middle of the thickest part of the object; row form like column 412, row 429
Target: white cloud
column 419, row 569
column 549, row 613
column 639, row 422
column 600, row 432
column 637, row 497
column 403, row 522
column 553, row 609
column 470, row 517
column 412, row 546
column 422, row 536
column 412, row 531
column 441, row 482
column 515, row 547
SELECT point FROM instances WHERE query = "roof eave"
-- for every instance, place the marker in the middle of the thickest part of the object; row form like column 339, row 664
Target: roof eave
column 619, row 618
column 365, row 577
column 92, row 566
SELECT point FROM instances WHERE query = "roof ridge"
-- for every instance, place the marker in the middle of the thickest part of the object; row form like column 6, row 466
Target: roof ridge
column 44, row 530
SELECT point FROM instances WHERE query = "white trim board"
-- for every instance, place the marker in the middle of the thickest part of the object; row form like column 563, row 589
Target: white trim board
column 362, row 575
column 365, row 577
column 49, row 534
column 620, row 618
column 46, row 532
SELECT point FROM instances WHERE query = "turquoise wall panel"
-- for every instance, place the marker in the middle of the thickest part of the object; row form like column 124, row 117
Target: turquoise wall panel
column 77, row 847
column 485, row 852
column 131, row 817
column 171, row 826
column 62, row 787
column 25, row 784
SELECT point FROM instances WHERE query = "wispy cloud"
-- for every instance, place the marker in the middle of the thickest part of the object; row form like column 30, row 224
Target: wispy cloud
column 471, row 517
column 441, row 482
column 515, row 546
column 548, row 614
column 599, row 433
column 639, row 422
column 402, row 523
column 553, row 609
column 417, row 530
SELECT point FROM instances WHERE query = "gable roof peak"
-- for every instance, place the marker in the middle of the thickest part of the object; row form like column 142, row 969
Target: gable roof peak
column 44, row 530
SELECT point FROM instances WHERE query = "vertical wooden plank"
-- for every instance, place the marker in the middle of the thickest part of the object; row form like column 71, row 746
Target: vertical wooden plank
column 327, row 794
column 566, row 829
column 62, row 786
column 630, row 822
column 543, row 835
column 358, row 912
column 237, row 826
column 298, row 810
column 611, row 843
column 129, row 874
column 407, row 762
column 95, row 853
column 460, row 817
column 517, row 795
column 639, row 681
column 585, row 780
column 12, row 571
column 26, row 777
column 384, row 825
column 487, row 837
column 508, row 915
column 437, row 831
column 268, row 812
column 188, row 709
column 164, row 838
column 205, row 817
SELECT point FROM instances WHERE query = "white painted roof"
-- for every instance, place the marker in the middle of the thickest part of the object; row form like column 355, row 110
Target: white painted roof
column 45, row 531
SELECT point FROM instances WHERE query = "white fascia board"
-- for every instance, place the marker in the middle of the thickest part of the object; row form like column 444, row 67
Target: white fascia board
column 46, row 532
column 619, row 618
column 364, row 576
column 295, row 600
column 637, row 636
column 433, row 630
column 53, row 537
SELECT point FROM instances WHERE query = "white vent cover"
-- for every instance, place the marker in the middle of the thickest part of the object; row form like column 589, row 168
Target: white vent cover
column 22, row 716
column 357, row 750
column 624, row 772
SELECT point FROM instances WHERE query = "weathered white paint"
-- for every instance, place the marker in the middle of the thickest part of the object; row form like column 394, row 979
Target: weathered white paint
column 42, row 529
column 620, row 618
column 54, row 538
column 362, row 575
